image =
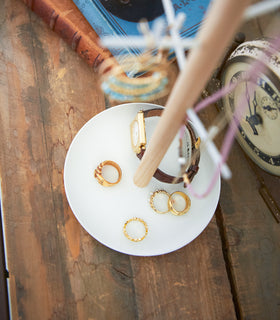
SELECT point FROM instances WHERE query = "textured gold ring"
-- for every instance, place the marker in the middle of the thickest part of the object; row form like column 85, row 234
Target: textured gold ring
column 153, row 195
column 171, row 203
column 99, row 177
column 130, row 237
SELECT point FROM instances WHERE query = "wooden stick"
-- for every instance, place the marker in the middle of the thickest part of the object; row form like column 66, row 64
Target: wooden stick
column 217, row 31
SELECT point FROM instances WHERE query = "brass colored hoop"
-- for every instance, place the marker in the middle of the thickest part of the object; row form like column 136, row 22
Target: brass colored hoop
column 130, row 237
column 101, row 179
column 153, row 77
column 153, row 195
column 151, row 84
column 171, row 207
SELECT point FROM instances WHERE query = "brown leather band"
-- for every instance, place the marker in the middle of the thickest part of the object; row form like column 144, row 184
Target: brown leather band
column 193, row 168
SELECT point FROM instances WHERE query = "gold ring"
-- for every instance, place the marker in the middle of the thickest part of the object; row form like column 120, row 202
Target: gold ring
column 171, row 203
column 135, row 239
column 153, row 195
column 101, row 179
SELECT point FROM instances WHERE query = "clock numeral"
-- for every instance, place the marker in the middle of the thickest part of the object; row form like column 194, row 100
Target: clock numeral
column 257, row 151
column 274, row 96
column 271, row 161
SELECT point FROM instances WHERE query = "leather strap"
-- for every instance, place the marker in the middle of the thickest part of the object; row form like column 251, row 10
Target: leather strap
column 193, row 168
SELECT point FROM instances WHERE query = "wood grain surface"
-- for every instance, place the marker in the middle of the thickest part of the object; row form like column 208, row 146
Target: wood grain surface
column 57, row 270
column 252, row 233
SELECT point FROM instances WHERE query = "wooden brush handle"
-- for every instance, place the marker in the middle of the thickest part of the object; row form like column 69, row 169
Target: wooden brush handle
column 215, row 35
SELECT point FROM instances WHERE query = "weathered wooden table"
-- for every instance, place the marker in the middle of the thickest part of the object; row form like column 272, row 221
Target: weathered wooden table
column 56, row 269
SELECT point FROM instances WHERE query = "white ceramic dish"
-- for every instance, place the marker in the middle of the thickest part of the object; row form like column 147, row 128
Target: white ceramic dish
column 102, row 211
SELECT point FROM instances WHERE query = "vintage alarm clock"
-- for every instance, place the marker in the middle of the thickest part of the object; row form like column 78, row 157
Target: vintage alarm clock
column 259, row 129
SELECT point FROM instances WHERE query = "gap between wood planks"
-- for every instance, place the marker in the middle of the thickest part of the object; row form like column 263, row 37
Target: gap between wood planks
column 228, row 262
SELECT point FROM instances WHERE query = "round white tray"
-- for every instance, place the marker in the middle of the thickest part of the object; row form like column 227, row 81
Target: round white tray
column 102, row 211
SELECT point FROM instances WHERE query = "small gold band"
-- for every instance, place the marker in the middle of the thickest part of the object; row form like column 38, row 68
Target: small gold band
column 154, row 194
column 101, row 179
column 171, row 203
column 129, row 236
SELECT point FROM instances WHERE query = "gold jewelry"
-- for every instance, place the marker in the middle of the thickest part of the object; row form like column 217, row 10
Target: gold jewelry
column 171, row 203
column 101, row 179
column 137, row 88
column 153, row 195
column 150, row 77
column 131, row 238
column 155, row 86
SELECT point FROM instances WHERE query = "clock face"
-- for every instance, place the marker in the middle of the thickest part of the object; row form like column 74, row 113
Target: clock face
column 259, row 128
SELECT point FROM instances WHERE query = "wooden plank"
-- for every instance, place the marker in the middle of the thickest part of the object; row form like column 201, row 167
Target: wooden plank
column 185, row 284
column 269, row 24
column 252, row 233
column 47, row 93
column 253, row 242
column 248, row 228
column 190, row 283
column 4, row 303
column 57, row 270
column 251, row 237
